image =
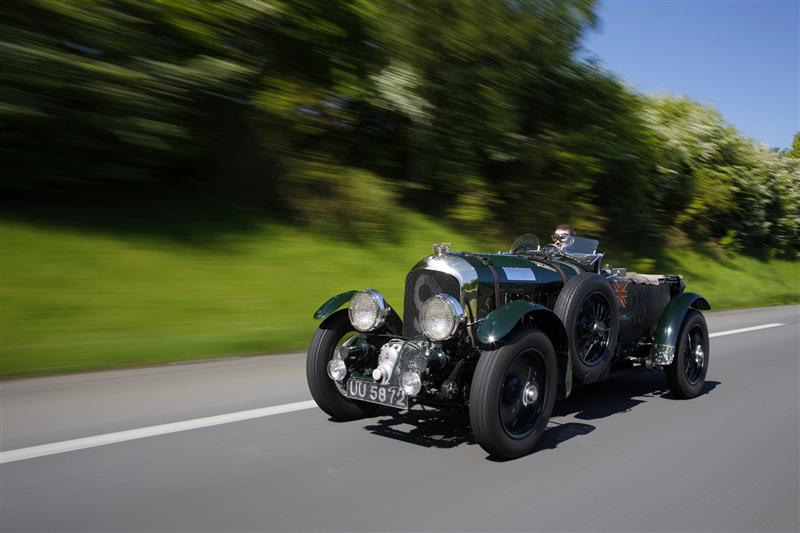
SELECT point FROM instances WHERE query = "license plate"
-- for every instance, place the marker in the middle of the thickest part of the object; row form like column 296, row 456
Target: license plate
column 377, row 393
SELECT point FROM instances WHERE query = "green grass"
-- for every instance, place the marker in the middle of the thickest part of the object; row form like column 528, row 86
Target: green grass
column 76, row 300
column 739, row 282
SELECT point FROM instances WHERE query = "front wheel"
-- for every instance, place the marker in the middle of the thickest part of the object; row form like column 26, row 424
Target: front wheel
column 513, row 393
column 329, row 337
column 686, row 375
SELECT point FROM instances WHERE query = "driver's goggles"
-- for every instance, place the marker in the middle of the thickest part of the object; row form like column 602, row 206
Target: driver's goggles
column 559, row 236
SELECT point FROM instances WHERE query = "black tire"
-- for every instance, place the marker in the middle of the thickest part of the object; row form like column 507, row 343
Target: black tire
column 588, row 309
column 686, row 376
column 503, row 425
column 323, row 389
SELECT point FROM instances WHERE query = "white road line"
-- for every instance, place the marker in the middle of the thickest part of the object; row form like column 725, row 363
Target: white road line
column 141, row 433
column 745, row 330
column 21, row 454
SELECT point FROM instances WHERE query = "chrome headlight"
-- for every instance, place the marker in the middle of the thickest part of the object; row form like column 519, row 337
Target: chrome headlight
column 368, row 310
column 411, row 383
column 440, row 317
column 337, row 370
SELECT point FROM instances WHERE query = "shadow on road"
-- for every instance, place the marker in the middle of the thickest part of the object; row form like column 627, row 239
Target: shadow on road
column 435, row 428
column 617, row 395
column 432, row 428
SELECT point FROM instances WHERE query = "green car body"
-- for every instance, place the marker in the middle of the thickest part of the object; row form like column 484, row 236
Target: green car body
column 461, row 308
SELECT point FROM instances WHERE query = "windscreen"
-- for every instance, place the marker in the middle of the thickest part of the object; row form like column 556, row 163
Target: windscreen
column 527, row 242
column 580, row 245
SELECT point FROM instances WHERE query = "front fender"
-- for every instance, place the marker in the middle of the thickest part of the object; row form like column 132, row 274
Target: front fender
column 394, row 323
column 502, row 320
column 669, row 325
column 333, row 304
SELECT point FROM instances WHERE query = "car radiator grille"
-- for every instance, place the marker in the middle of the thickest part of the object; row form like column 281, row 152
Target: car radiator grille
column 421, row 285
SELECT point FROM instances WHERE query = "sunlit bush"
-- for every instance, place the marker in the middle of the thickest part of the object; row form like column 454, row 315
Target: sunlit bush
column 347, row 202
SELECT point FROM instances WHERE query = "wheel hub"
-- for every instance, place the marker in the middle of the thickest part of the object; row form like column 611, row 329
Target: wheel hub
column 530, row 394
column 699, row 355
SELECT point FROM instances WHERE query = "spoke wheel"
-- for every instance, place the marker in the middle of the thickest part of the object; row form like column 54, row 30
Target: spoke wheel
column 695, row 354
column 588, row 309
column 686, row 375
column 593, row 328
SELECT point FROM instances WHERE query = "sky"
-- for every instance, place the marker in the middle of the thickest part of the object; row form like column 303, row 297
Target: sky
column 742, row 57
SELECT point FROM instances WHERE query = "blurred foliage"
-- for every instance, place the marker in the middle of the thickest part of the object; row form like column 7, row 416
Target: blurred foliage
column 335, row 112
column 718, row 186
column 341, row 200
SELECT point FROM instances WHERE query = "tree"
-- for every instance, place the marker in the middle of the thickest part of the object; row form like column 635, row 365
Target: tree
column 794, row 151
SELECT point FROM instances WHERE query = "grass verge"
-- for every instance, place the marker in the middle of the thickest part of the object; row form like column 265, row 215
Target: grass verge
column 78, row 300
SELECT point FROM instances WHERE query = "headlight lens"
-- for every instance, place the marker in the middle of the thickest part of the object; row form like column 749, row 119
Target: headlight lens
column 337, row 370
column 411, row 383
column 368, row 310
column 440, row 317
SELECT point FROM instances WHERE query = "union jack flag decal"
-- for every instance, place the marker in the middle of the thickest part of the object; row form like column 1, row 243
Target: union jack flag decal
column 621, row 292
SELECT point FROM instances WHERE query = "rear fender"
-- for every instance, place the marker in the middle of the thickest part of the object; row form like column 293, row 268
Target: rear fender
column 500, row 322
column 669, row 325
column 394, row 324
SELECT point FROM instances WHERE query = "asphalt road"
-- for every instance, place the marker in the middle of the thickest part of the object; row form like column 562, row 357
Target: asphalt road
column 618, row 456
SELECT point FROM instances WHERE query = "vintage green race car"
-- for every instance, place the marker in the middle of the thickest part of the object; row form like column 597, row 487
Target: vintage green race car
column 504, row 335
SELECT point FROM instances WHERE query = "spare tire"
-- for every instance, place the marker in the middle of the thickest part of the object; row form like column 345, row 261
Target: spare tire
column 588, row 309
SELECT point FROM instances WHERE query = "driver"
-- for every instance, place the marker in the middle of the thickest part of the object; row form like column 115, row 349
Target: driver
column 562, row 235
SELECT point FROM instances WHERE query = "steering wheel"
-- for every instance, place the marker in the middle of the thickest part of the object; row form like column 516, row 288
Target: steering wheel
column 551, row 249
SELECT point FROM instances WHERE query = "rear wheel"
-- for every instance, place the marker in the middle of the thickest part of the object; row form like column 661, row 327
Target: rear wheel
column 513, row 393
column 332, row 333
column 687, row 373
column 588, row 309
